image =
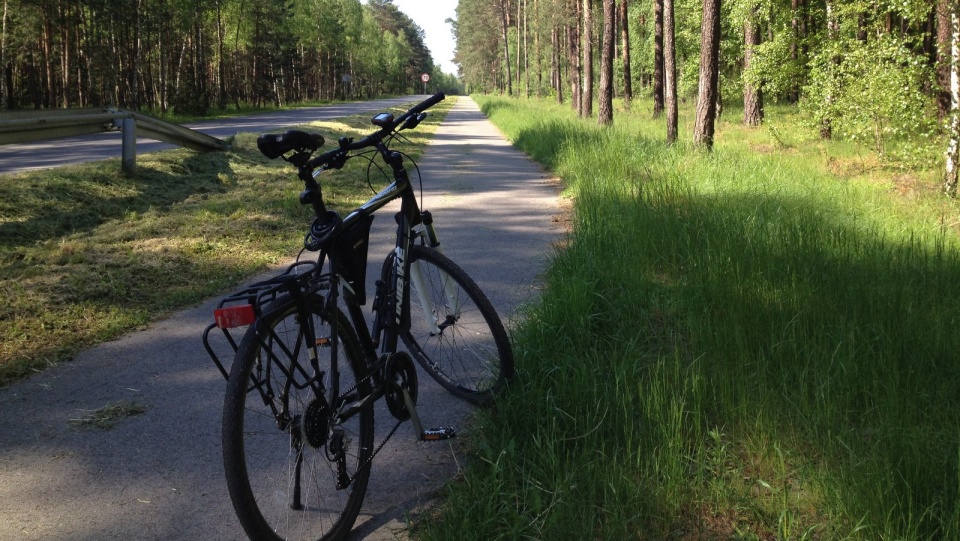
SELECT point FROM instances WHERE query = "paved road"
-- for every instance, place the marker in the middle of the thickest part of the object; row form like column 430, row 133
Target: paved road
column 158, row 475
column 54, row 153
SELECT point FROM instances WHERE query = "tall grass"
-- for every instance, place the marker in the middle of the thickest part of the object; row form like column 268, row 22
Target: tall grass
column 755, row 343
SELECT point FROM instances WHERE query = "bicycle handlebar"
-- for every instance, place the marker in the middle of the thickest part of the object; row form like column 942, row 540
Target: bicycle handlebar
column 337, row 156
column 303, row 144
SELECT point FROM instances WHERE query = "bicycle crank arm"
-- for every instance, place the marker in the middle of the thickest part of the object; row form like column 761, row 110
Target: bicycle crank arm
column 433, row 434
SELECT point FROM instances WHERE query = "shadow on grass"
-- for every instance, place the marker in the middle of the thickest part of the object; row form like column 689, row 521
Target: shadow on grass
column 54, row 203
column 788, row 321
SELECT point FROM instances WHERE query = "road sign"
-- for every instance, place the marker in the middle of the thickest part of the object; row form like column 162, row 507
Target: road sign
column 425, row 77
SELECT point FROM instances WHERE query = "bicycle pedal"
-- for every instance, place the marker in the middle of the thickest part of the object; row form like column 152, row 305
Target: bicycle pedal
column 438, row 434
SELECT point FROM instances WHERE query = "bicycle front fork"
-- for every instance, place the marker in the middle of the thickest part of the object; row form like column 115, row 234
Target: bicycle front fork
column 431, row 315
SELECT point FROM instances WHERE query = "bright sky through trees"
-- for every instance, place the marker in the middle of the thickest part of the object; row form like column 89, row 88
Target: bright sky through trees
column 431, row 15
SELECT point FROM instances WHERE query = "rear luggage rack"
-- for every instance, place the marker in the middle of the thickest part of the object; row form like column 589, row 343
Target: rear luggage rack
column 242, row 308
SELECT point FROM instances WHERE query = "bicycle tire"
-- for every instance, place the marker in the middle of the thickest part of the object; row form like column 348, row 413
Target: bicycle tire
column 261, row 455
column 471, row 356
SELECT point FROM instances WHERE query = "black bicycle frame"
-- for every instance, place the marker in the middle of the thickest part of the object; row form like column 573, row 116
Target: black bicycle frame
column 392, row 318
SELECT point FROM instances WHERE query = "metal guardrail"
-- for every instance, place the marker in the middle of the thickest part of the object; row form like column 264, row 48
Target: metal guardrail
column 26, row 126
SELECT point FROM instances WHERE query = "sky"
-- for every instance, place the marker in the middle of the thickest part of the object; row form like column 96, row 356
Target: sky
column 430, row 16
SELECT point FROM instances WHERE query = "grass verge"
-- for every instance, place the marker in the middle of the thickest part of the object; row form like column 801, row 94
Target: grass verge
column 88, row 253
column 757, row 343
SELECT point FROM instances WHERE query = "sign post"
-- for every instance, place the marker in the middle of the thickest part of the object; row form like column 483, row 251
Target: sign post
column 346, row 82
column 426, row 79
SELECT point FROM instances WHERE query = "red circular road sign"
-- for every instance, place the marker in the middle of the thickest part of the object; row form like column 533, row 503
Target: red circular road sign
column 425, row 77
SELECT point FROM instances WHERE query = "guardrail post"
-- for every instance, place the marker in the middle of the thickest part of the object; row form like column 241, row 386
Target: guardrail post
column 129, row 153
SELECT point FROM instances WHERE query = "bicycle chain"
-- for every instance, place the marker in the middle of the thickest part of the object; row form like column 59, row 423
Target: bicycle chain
column 383, row 443
column 369, row 460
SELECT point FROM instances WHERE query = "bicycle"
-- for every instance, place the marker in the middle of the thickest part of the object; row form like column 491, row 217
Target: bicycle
column 298, row 431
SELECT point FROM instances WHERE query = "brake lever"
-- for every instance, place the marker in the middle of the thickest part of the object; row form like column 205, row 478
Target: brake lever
column 413, row 121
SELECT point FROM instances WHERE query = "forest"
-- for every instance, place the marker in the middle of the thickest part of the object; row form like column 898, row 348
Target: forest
column 190, row 56
column 873, row 71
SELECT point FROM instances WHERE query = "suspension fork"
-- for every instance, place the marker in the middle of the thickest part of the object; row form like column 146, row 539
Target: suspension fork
column 429, row 233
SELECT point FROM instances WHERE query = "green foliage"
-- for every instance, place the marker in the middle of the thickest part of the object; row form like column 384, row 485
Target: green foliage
column 871, row 92
column 191, row 55
column 773, row 68
column 866, row 72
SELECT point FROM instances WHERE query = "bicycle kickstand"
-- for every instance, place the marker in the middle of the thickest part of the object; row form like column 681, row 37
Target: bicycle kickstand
column 433, row 434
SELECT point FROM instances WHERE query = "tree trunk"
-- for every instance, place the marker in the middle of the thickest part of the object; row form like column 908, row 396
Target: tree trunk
column 65, row 28
column 625, row 53
column 826, row 125
column 605, row 111
column 573, row 49
column 555, row 78
column 526, row 57
column 752, row 97
column 536, row 47
column 586, row 102
column 5, row 90
column 221, row 69
column 953, row 149
column 134, row 81
column 506, row 44
column 519, row 49
column 47, row 42
column 709, row 72
column 658, row 56
column 669, row 71
column 794, row 96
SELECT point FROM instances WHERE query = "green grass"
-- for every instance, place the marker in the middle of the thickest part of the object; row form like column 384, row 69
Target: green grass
column 88, row 253
column 757, row 343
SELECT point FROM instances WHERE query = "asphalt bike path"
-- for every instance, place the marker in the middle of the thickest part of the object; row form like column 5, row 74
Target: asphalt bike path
column 100, row 146
column 158, row 474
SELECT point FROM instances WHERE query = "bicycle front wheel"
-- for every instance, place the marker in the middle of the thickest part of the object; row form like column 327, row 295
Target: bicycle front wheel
column 455, row 333
column 293, row 471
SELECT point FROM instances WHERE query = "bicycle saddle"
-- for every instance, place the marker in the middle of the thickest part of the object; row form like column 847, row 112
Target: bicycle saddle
column 273, row 145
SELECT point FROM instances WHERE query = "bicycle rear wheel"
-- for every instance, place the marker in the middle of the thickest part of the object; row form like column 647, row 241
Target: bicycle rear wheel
column 455, row 333
column 292, row 473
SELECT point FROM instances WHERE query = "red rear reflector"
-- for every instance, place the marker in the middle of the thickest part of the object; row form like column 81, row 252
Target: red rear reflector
column 234, row 316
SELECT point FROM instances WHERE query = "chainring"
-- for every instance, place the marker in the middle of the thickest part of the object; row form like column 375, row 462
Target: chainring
column 400, row 374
